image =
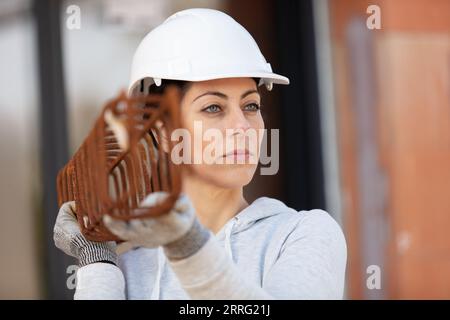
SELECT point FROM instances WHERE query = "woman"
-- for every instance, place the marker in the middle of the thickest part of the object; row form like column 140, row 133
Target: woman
column 213, row 244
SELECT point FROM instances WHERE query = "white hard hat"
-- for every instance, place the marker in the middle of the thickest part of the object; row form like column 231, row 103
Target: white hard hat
column 196, row 45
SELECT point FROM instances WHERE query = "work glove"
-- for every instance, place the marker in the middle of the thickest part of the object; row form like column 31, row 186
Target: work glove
column 178, row 231
column 68, row 237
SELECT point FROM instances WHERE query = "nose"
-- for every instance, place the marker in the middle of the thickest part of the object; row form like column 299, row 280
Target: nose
column 238, row 121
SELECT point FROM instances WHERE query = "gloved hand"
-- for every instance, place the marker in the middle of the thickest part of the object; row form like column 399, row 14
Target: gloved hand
column 70, row 240
column 178, row 231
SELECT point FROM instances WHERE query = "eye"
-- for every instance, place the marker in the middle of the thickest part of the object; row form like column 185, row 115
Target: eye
column 252, row 107
column 213, row 108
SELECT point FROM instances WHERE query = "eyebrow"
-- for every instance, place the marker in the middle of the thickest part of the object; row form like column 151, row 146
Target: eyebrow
column 224, row 96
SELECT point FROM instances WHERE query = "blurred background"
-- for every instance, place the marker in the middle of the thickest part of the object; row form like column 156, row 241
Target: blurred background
column 364, row 125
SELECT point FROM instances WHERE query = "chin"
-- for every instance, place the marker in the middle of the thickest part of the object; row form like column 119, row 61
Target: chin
column 229, row 176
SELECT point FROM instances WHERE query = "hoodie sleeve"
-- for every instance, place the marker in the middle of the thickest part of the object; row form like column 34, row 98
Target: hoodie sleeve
column 210, row 274
column 100, row 281
column 311, row 265
column 312, row 261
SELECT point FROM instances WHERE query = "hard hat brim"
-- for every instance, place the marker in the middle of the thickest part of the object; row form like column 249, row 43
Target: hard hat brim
column 268, row 77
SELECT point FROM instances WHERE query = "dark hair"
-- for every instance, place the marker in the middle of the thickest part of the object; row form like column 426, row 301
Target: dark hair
column 182, row 85
column 154, row 89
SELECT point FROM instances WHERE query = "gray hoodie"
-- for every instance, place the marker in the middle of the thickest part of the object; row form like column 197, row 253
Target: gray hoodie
column 290, row 254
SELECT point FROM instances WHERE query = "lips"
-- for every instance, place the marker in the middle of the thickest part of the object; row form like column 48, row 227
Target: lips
column 240, row 152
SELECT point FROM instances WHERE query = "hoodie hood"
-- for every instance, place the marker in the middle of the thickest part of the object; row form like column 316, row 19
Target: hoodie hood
column 259, row 209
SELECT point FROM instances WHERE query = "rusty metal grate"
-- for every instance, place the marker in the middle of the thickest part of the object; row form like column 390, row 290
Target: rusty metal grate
column 124, row 158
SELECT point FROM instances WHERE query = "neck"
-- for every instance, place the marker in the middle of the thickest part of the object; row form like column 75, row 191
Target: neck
column 214, row 205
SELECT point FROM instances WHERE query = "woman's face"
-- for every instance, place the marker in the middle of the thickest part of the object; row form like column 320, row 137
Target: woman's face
column 229, row 107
